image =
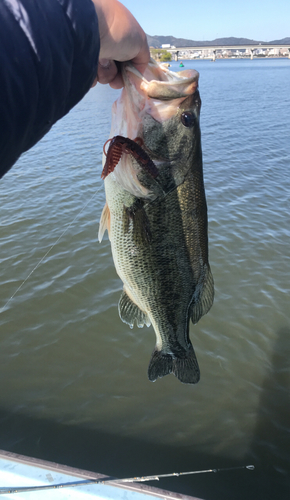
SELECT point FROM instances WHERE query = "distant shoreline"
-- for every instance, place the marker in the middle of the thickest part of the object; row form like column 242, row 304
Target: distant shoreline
column 222, row 59
column 227, row 58
column 157, row 40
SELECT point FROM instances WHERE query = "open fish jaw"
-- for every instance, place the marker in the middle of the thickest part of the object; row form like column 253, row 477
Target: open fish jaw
column 146, row 97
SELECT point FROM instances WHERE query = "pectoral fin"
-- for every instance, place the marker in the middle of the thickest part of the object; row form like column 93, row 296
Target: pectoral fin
column 203, row 297
column 105, row 222
column 141, row 227
column 130, row 312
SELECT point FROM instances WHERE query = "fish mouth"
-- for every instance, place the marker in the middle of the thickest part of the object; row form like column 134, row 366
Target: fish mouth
column 159, row 92
column 160, row 83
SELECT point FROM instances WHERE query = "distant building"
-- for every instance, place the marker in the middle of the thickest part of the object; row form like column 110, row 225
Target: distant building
column 260, row 52
column 274, row 52
column 195, row 55
column 165, row 46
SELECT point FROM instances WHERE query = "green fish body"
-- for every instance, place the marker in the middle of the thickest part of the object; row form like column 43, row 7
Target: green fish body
column 159, row 237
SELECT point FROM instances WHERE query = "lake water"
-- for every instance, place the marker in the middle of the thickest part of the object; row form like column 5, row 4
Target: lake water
column 74, row 385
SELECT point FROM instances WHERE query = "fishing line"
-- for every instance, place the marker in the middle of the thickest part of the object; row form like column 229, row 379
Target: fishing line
column 8, row 490
column 56, row 242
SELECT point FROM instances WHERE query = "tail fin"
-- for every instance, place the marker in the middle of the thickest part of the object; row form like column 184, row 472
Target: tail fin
column 185, row 369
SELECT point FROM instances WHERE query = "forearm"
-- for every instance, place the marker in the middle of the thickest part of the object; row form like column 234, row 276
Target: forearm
column 49, row 52
column 48, row 60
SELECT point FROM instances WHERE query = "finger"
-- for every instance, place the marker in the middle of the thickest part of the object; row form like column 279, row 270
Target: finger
column 142, row 59
column 118, row 82
column 107, row 71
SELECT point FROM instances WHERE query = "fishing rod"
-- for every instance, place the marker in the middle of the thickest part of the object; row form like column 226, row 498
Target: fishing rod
column 21, row 489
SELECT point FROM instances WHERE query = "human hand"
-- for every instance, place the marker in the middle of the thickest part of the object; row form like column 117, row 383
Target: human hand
column 122, row 39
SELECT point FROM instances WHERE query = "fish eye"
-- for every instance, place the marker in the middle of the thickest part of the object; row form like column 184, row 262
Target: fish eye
column 187, row 119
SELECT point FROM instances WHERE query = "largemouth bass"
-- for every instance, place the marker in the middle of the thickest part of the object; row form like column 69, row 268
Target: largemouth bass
column 156, row 212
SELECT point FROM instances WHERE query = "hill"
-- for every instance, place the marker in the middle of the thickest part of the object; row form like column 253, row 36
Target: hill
column 284, row 41
column 156, row 41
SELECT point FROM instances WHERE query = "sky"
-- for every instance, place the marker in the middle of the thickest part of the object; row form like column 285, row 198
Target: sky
column 265, row 20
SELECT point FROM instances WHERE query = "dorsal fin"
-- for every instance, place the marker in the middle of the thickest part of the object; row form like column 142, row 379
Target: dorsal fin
column 105, row 222
column 130, row 312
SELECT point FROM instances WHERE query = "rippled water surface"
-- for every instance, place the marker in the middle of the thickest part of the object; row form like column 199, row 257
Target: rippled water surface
column 74, row 385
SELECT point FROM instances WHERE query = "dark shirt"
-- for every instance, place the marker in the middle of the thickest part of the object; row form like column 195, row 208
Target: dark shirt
column 48, row 61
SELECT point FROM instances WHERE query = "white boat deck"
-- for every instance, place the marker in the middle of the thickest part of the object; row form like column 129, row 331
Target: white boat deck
column 17, row 471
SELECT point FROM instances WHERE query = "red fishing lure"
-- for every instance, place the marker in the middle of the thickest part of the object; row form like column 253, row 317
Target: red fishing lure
column 120, row 145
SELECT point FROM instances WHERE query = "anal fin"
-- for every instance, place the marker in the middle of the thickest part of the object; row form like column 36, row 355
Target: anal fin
column 130, row 312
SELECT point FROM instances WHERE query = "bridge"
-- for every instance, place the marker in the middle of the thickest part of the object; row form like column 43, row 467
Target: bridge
column 214, row 48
